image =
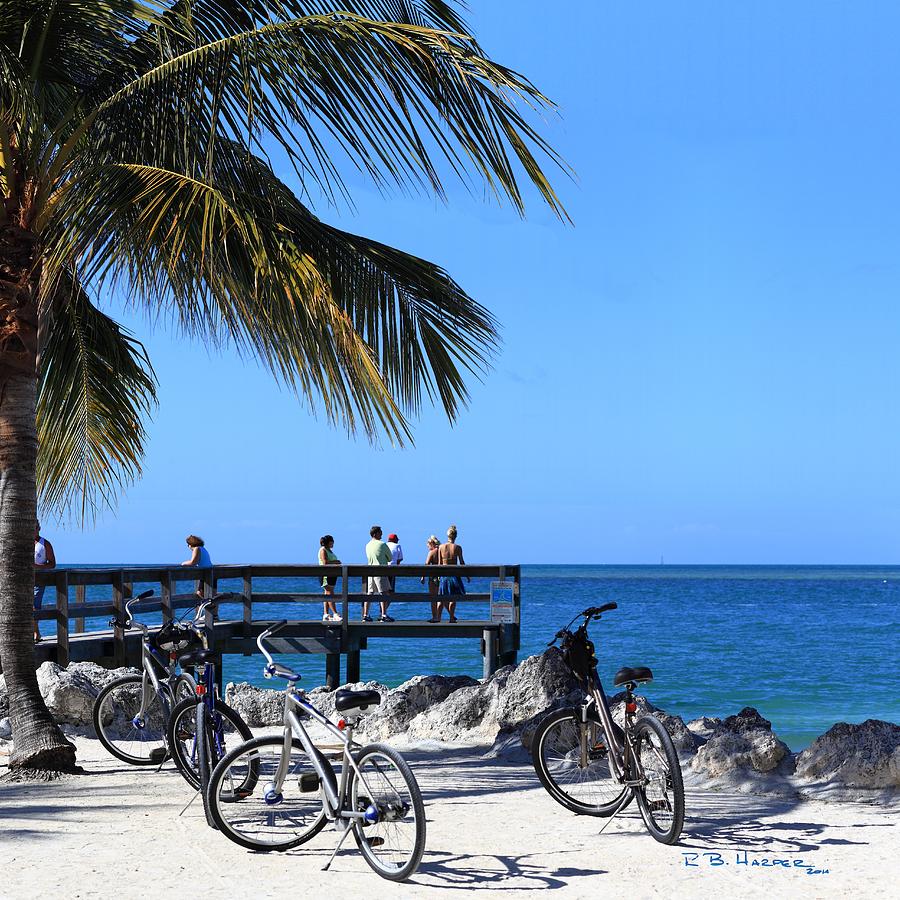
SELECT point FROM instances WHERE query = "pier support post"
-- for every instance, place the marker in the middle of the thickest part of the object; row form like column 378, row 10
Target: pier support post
column 118, row 591
column 332, row 671
column 489, row 651
column 352, row 666
column 62, row 619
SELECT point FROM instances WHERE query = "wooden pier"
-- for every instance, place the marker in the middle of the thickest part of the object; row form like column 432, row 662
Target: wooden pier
column 302, row 634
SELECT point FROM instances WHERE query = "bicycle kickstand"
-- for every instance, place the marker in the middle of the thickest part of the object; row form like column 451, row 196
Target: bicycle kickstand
column 619, row 808
column 337, row 847
column 186, row 805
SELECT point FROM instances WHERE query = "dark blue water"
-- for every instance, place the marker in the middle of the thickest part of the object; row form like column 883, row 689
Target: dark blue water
column 807, row 645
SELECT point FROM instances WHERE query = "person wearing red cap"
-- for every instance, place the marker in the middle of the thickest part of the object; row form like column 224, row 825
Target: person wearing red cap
column 393, row 543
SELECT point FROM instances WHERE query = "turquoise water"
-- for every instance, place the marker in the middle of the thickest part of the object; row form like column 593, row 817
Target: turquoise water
column 806, row 645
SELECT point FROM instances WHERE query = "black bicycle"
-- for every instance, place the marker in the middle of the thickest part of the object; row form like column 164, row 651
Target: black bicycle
column 594, row 767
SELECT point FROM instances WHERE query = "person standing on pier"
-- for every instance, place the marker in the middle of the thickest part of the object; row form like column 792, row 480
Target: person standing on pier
column 433, row 559
column 44, row 558
column 327, row 557
column 393, row 543
column 451, row 554
column 377, row 554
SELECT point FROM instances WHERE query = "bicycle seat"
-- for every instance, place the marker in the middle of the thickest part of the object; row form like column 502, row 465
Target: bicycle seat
column 626, row 674
column 196, row 658
column 347, row 701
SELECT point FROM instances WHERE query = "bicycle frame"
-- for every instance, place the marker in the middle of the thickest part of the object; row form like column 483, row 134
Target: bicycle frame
column 621, row 757
column 150, row 659
column 293, row 727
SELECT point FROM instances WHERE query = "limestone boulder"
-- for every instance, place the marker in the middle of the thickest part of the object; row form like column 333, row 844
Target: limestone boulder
column 743, row 746
column 70, row 693
column 855, row 756
column 511, row 702
column 258, row 707
column 404, row 703
column 704, row 727
column 684, row 740
column 468, row 715
column 324, row 700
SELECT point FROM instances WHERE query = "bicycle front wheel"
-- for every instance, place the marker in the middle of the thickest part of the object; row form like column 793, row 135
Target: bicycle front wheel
column 185, row 688
column 571, row 759
column 228, row 730
column 247, row 807
column 391, row 837
column 661, row 799
column 130, row 720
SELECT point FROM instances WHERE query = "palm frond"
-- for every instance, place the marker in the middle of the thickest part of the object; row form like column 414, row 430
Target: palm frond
column 201, row 255
column 96, row 390
column 394, row 96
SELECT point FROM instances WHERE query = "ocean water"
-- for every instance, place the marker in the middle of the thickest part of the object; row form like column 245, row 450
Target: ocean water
column 807, row 646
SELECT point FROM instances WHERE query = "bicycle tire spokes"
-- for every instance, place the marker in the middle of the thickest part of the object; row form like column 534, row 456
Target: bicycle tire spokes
column 129, row 724
column 391, row 836
column 248, row 807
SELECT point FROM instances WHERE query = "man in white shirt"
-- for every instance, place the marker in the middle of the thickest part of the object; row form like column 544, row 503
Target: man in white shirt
column 393, row 543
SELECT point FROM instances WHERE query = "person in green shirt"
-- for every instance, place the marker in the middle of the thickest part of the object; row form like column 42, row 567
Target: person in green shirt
column 378, row 554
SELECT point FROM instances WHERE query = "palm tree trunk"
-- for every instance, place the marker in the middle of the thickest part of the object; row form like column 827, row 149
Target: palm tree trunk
column 37, row 741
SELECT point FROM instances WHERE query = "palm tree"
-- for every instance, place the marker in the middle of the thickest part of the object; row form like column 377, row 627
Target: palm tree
column 135, row 142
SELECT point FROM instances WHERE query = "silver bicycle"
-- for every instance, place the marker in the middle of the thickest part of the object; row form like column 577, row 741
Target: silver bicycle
column 131, row 713
column 278, row 791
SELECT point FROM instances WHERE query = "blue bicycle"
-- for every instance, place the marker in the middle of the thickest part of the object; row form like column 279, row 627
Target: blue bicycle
column 202, row 726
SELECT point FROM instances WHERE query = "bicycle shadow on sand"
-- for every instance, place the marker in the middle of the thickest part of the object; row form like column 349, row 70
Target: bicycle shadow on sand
column 753, row 822
column 462, row 871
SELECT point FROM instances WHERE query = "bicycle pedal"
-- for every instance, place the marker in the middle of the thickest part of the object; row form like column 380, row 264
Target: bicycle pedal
column 375, row 841
column 158, row 754
column 309, row 781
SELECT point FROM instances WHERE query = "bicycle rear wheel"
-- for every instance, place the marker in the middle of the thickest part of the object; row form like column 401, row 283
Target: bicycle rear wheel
column 228, row 730
column 385, row 787
column 204, row 756
column 661, row 800
column 571, row 759
column 139, row 740
column 246, row 808
column 185, row 688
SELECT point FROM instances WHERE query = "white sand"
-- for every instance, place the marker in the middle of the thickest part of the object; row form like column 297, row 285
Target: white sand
column 116, row 832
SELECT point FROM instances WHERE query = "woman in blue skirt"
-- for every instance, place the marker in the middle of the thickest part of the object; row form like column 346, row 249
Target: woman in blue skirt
column 451, row 554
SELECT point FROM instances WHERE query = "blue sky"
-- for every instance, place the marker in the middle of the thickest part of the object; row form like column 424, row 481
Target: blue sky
column 703, row 367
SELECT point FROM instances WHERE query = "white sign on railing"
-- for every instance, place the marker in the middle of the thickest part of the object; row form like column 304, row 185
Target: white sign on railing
column 503, row 602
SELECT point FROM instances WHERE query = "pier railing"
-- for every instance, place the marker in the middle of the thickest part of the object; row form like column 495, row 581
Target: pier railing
column 247, row 614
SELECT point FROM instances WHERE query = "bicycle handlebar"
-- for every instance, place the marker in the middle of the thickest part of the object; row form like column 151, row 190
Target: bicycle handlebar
column 596, row 611
column 592, row 612
column 273, row 668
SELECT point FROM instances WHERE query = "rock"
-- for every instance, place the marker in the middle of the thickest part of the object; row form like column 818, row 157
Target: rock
column 514, row 699
column 704, row 727
column 258, row 707
column 741, row 747
column 684, row 740
column 402, row 704
column 5, row 729
column 536, row 685
column 70, row 693
column 324, row 700
column 468, row 715
column 857, row 756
